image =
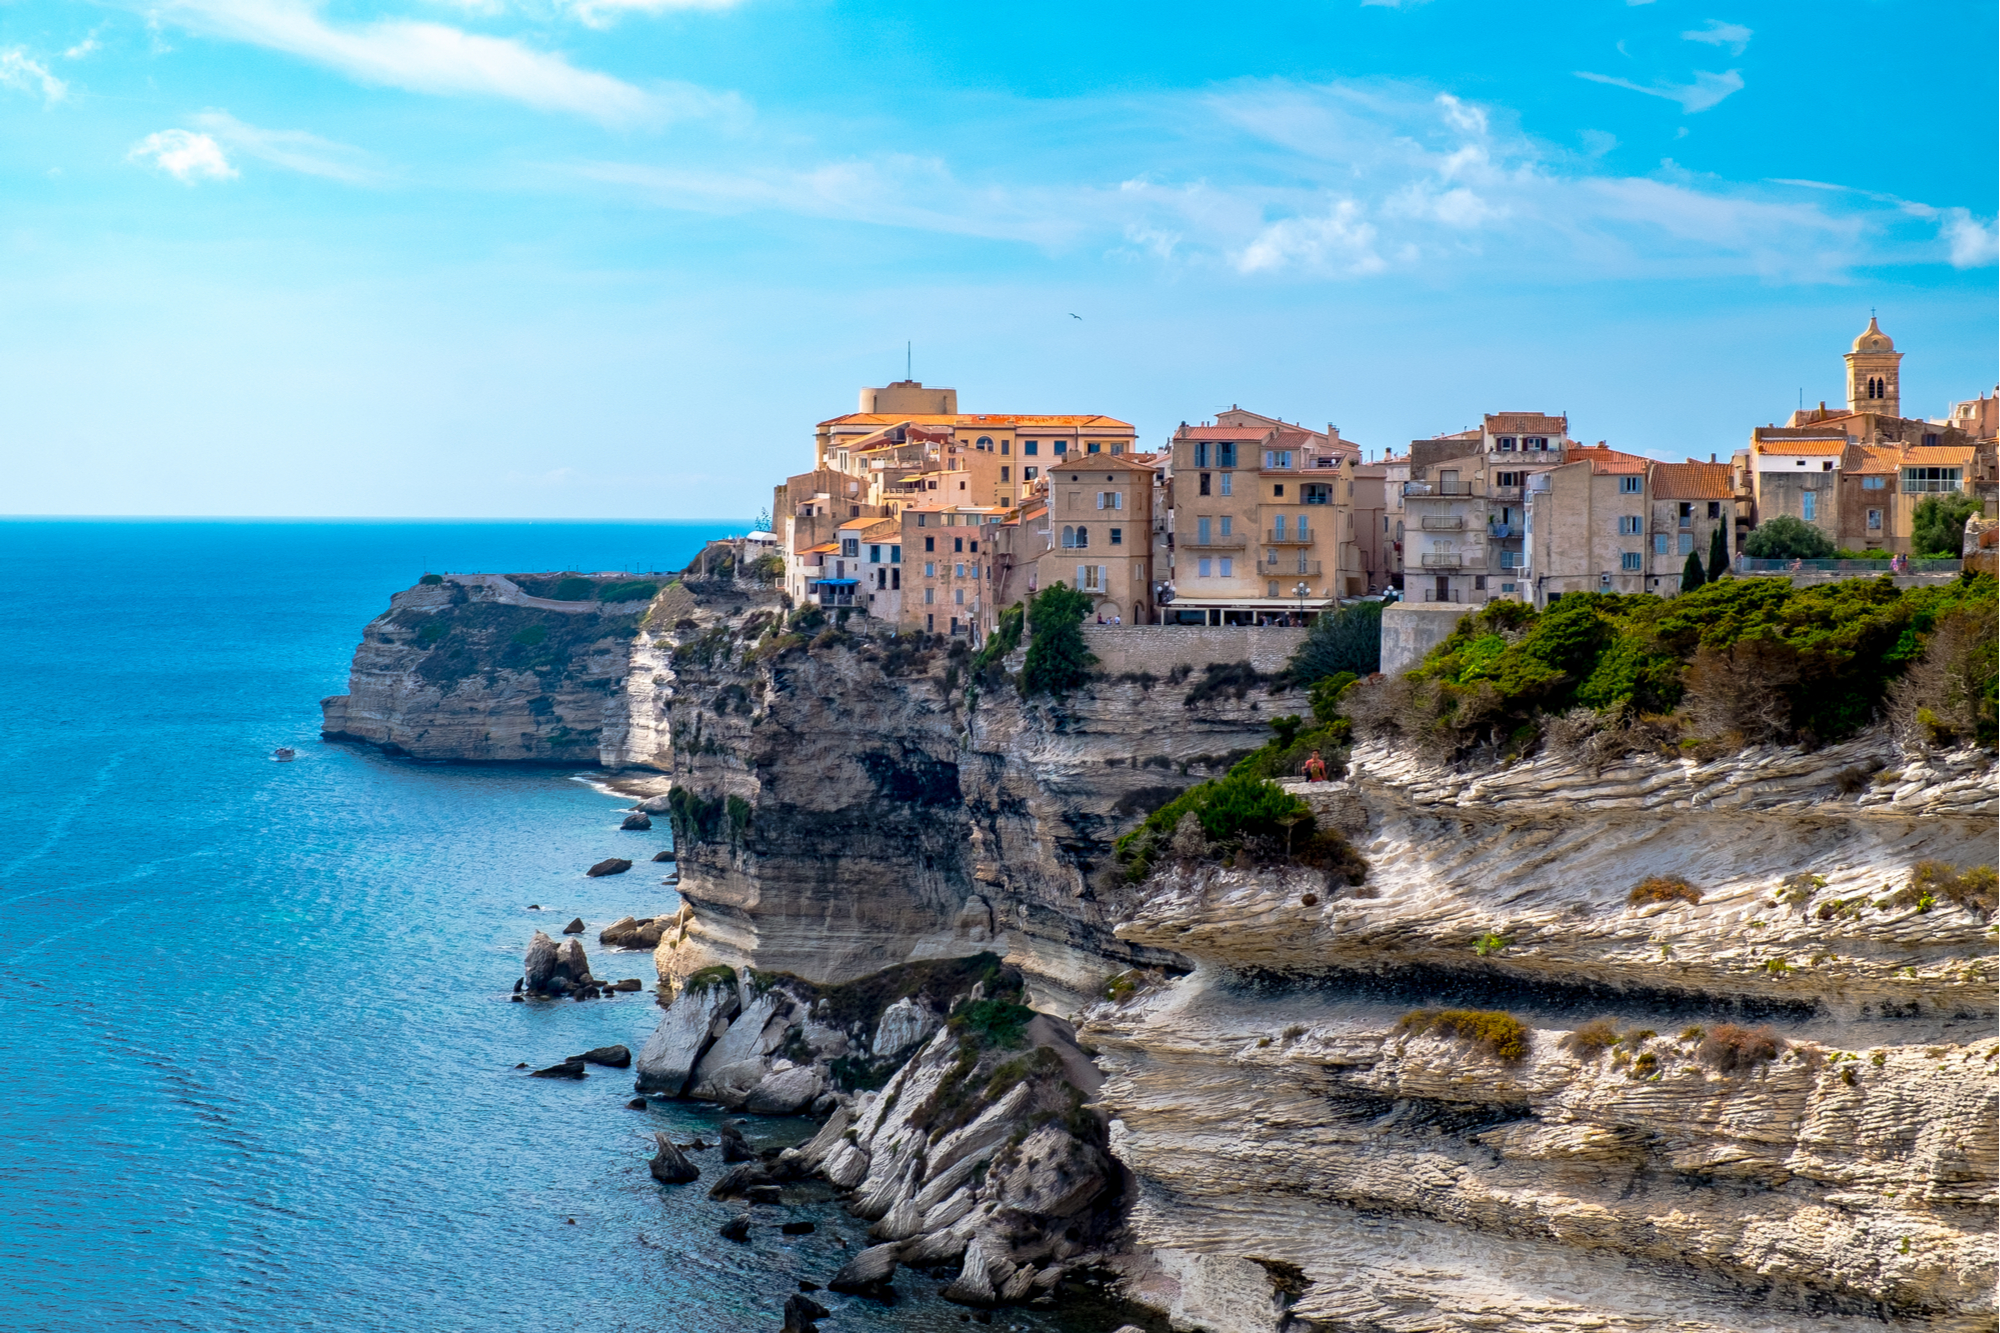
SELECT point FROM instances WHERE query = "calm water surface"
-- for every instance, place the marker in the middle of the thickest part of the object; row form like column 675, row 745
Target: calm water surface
column 254, row 1017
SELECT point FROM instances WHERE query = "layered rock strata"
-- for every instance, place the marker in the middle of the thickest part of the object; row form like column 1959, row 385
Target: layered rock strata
column 1313, row 1152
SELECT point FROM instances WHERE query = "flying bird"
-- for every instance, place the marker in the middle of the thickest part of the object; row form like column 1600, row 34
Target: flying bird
column 1074, row 315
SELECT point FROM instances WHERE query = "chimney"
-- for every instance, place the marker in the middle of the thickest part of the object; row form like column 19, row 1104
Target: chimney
column 1711, row 458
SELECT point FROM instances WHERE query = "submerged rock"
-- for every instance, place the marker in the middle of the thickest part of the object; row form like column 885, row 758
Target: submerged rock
column 612, row 1057
column 668, row 1165
column 612, row 865
column 571, row 1068
column 575, row 927
column 800, row 1312
column 736, row 1228
column 666, row 855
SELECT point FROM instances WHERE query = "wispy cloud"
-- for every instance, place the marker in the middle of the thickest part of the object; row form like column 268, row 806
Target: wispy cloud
column 1338, row 182
column 86, row 46
column 23, row 73
column 602, row 13
column 1972, row 243
column 1706, row 90
column 184, row 155
column 440, row 59
column 1732, row 35
column 294, row 150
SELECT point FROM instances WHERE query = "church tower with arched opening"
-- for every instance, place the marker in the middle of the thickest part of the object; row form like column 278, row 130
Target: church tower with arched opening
column 1872, row 375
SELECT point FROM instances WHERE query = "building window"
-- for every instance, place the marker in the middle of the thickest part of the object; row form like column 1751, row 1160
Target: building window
column 1203, row 567
column 1508, row 587
column 850, row 546
column 1479, row 583
column 1508, row 478
column 1687, row 543
column 1226, row 490
column 1874, row 483
column 958, row 570
column 1317, row 493
column 1917, row 480
column 1003, row 472
column 895, row 555
column 958, row 545
column 1808, row 505
column 1686, row 514
column 1201, row 530
column 874, row 555
column 930, row 543
column 895, row 577
column 1874, row 520
column 1228, row 522
column 1031, row 448
column 1399, row 529
column 1659, row 543
column 984, row 442
column 1069, row 538
column 930, row 596
column 1277, row 458
column 1278, row 491
column 1506, row 444
column 1082, row 536
column 1092, row 447
column 1278, row 528
column 1630, row 485
column 930, row 569
column 1228, row 566
column 958, row 596
column 1271, row 588
column 1630, row 525
column 1225, row 454
column 1629, row 560
column 1201, row 453
column 1061, row 446
column 1539, row 443
column 1117, row 536
column 1715, row 509
column 1111, row 499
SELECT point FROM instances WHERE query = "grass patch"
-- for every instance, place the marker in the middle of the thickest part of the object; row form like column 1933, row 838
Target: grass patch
column 1592, row 1039
column 708, row 978
column 632, row 590
column 1973, row 888
column 1495, row 1032
column 1662, row 889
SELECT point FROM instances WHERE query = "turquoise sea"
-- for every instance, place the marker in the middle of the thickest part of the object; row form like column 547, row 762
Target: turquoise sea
column 258, row 1054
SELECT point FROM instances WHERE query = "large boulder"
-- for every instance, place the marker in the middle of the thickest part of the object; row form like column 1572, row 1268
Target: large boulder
column 655, row 805
column 637, row 820
column 631, row 933
column 540, row 964
column 786, row 1093
column 611, row 1057
column 800, row 1312
column 571, row 964
column 689, row 1027
column 869, row 1272
column 669, row 1165
column 611, row 865
column 740, row 1058
column 904, row 1024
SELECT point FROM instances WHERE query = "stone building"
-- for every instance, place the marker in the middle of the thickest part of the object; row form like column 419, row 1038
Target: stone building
column 1261, row 525
column 1687, row 502
column 1089, row 526
column 1465, row 506
column 1586, row 525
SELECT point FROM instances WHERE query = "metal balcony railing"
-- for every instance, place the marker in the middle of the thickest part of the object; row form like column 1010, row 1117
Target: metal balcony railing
column 1442, row 560
column 1290, row 537
column 1431, row 595
column 1274, row 567
column 1503, row 530
column 1198, row 542
column 1441, row 522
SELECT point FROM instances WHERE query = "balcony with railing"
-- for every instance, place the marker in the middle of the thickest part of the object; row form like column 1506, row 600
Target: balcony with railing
column 1443, row 560
column 1454, row 595
column 1290, row 537
column 1273, row 566
column 1442, row 522
column 1504, row 531
column 1216, row 542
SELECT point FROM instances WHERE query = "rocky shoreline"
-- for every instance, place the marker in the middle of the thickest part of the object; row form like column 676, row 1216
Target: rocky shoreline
column 1503, row 1083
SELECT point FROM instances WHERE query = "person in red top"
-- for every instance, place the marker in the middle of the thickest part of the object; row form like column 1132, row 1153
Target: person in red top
column 1315, row 768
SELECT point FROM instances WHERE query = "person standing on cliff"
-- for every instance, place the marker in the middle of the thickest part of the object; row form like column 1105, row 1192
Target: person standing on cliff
column 1315, row 768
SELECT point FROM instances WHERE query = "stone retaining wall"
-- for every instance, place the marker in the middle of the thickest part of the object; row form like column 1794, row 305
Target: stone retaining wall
column 1411, row 629
column 1161, row 648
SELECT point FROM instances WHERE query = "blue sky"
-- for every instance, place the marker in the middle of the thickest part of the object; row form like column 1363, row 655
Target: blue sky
column 613, row 258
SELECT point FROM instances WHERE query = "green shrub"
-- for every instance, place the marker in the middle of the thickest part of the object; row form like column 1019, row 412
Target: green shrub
column 1242, row 814
column 1349, row 639
column 575, row 588
column 531, row 636
column 991, row 1024
column 1057, row 661
column 708, row 978
column 1937, row 528
column 1973, row 888
column 1224, row 678
column 1730, row 1049
column 431, row 580
column 632, row 590
column 1003, row 640
column 1691, row 573
column 1499, row 1034
column 1787, row 538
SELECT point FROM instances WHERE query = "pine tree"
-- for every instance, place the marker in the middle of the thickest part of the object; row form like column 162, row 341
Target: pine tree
column 1057, row 660
column 1691, row 573
column 1718, row 553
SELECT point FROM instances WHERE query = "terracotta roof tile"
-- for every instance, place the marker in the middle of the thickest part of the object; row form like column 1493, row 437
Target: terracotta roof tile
column 1605, row 461
column 1938, row 455
column 1085, row 422
column 1802, row 448
column 1526, row 423
column 1692, row 481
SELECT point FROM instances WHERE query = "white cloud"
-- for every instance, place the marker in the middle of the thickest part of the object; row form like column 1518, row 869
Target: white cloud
column 1393, row 4
column 21, row 72
column 86, row 46
column 186, row 156
column 1706, row 90
column 1337, row 242
column 1732, row 35
column 602, row 13
column 1598, row 142
column 1973, row 243
column 295, row 150
column 1462, row 116
column 437, row 58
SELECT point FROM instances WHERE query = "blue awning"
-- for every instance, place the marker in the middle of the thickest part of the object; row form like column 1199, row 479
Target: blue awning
column 837, row 583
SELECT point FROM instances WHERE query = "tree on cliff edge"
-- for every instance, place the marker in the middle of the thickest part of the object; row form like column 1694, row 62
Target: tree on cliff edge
column 1057, row 660
column 1349, row 639
column 1691, row 574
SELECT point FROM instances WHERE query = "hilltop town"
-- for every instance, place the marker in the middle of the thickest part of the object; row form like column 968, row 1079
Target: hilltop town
column 930, row 519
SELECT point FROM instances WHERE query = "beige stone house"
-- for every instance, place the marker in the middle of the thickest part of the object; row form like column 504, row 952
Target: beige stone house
column 1465, row 506
column 1587, row 525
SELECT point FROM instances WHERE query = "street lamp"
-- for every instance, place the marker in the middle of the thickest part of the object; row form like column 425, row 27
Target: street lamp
column 1300, row 592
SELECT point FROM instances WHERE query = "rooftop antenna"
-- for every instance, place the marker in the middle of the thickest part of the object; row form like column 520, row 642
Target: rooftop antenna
column 908, row 359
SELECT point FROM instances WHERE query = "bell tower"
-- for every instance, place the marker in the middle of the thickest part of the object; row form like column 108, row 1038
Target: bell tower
column 1872, row 376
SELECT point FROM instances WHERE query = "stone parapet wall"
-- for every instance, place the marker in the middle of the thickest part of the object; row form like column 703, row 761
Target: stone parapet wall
column 1411, row 629
column 1160, row 648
